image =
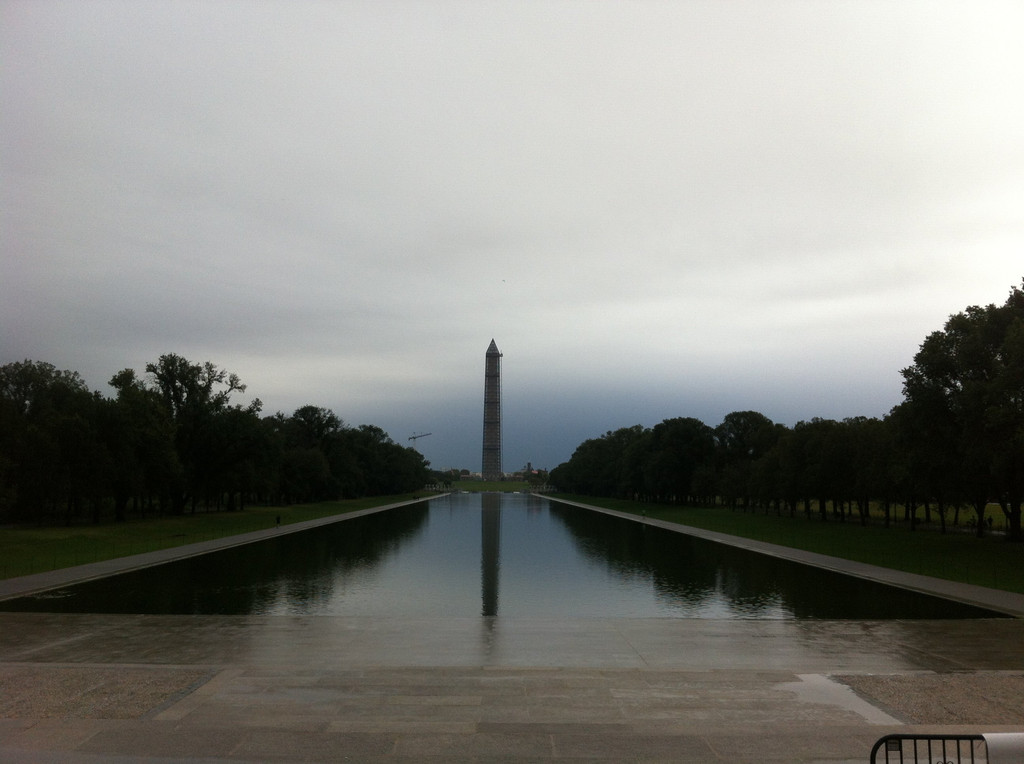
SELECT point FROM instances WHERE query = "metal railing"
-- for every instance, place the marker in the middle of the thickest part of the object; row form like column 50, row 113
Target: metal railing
column 989, row 748
column 933, row 749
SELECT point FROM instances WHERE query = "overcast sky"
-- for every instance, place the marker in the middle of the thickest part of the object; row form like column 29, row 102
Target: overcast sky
column 656, row 209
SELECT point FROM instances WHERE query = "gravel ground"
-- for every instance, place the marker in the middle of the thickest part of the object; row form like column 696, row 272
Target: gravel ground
column 976, row 697
column 91, row 692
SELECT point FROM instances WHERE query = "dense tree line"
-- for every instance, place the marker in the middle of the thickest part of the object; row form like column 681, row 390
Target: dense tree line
column 955, row 442
column 171, row 442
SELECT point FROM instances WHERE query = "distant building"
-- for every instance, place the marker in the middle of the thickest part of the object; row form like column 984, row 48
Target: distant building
column 492, row 414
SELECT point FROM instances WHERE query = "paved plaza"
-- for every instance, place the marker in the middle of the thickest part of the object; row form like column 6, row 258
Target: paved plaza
column 124, row 688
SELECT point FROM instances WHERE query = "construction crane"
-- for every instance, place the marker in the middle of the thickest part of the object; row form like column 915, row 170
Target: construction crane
column 414, row 437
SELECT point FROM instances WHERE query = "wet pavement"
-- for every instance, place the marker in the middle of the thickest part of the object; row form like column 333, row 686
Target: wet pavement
column 120, row 688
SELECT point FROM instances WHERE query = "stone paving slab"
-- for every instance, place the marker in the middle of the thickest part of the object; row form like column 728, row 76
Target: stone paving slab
column 686, row 716
column 326, row 689
column 90, row 692
column 673, row 720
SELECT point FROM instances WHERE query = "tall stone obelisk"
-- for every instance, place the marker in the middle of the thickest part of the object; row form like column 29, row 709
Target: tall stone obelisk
column 491, row 469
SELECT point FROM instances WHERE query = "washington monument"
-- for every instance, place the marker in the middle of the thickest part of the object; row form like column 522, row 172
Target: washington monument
column 492, row 415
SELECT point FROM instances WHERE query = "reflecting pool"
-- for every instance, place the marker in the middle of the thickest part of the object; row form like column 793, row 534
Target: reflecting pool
column 493, row 555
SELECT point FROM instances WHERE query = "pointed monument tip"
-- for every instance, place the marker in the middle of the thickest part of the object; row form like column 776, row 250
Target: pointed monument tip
column 492, row 348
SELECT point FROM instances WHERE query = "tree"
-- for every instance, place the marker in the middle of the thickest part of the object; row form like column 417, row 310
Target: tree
column 384, row 466
column 175, row 436
column 742, row 438
column 633, row 481
column 823, row 467
column 314, row 427
column 791, row 451
column 50, row 456
column 969, row 380
column 678, row 449
column 871, row 446
column 599, row 466
column 313, row 454
column 139, row 433
column 242, row 453
column 194, row 394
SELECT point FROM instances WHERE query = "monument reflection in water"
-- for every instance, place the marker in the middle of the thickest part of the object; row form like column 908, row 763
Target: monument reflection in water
column 497, row 556
column 490, row 551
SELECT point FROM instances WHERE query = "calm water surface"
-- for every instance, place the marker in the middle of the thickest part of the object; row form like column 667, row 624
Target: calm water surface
column 492, row 555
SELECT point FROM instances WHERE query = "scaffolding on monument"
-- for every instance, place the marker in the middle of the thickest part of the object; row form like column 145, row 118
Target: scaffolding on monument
column 491, row 458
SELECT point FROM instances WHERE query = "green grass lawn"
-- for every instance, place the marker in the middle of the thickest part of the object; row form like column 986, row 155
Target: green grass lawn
column 956, row 555
column 25, row 550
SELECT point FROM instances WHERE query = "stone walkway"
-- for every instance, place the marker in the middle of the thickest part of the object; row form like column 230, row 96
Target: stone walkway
column 81, row 688
column 127, row 688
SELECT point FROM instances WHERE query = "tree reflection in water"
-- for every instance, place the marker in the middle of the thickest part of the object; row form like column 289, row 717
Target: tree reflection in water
column 494, row 557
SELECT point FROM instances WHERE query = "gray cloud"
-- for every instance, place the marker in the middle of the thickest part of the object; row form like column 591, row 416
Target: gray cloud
column 656, row 209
